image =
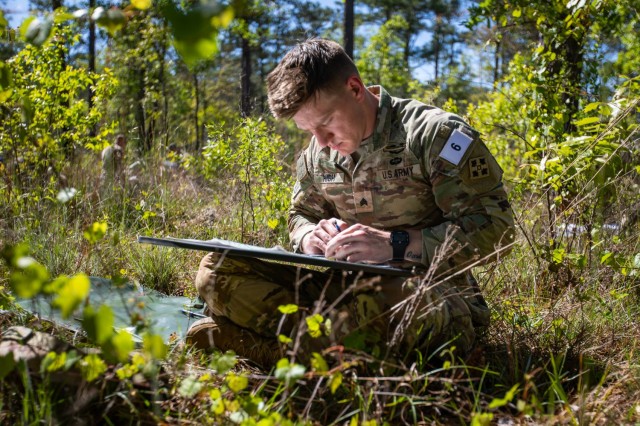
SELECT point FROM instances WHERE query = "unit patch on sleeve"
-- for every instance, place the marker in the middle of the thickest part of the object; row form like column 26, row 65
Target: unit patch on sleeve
column 478, row 168
column 455, row 147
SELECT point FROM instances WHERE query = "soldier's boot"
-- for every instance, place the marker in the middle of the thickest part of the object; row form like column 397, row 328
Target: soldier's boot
column 217, row 332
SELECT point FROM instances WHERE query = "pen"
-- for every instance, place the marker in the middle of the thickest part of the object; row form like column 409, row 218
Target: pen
column 335, row 223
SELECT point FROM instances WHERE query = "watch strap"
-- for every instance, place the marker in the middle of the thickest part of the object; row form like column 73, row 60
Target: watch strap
column 399, row 242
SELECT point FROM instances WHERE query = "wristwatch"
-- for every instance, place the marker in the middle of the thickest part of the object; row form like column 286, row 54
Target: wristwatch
column 399, row 241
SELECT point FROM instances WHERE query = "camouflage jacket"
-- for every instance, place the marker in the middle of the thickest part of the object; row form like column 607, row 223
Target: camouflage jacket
column 112, row 162
column 423, row 168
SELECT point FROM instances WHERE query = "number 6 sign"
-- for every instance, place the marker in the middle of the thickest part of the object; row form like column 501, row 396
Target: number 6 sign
column 455, row 147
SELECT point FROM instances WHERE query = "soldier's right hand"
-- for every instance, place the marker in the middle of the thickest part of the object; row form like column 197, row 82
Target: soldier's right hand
column 315, row 242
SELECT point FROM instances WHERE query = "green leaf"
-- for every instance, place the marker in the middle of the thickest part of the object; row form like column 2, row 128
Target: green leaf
column 481, row 419
column 237, row 383
column 122, row 345
column 141, row 4
column 314, row 323
column 618, row 295
column 53, row 362
column 318, row 363
column 95, row 232
column 223, row 20
column 517, row 13
column 7, row 364
column 558, row 255
column 284, row 339
column 287, row 372
column 190, row 387
column 154, row 346
column 224, row 362
column 72, row 293
column 36, row 30
column 60, row 16
column 111, row 19
column 335, row 382
column 508, row 397
column 92, row 367
column 587, row 120
column 98, row 325
column 590, row 107
column 53, row 287
column 288, row 309
column 11, row 254
column 195, row 31
column 3, row 22
column 6, row 81
column 29, row 279
column 606, row 259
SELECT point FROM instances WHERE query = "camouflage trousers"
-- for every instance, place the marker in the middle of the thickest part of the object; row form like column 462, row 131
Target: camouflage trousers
column 385, row 315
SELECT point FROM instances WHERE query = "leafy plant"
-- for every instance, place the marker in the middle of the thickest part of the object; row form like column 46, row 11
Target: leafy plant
column 249, row 157
column 45, row 118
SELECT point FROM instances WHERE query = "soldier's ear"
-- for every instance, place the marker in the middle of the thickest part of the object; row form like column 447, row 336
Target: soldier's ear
column 356, row 87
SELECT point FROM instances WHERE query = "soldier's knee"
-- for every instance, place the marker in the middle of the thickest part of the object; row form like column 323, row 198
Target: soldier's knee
column 206, row 277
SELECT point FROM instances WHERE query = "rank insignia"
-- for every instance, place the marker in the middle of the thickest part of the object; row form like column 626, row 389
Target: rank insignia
column 478, row 168
column 363, row 202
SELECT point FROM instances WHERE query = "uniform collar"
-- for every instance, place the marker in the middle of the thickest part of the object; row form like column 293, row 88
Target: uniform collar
column 382, row 128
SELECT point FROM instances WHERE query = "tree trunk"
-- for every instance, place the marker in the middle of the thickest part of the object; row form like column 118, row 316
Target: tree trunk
column 407, row 47
column 496, row 62
column 436, row 49
column 163, row 85
column 570, row 96
column 348, row 27
column 196, row 120
column 140, row 113
column 92, row 61
column 245, row 80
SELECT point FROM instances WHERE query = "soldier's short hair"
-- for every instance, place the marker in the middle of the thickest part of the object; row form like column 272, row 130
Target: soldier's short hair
column 121, row 140
column 311, row 66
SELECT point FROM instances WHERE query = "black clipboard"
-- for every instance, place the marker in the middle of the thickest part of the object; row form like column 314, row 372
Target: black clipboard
column 232, row 248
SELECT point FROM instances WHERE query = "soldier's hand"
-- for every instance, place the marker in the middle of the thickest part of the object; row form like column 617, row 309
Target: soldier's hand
column 315, row 242
column 360, row 243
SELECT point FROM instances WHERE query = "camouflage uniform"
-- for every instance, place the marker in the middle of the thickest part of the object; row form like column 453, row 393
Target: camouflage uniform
column 112, row 165
column 423, row 169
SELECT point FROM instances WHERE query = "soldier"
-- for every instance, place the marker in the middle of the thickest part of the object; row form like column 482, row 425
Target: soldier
column 113, row 169
column 383, row 180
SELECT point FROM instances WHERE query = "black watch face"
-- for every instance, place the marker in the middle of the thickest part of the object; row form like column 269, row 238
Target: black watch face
column 399, row 238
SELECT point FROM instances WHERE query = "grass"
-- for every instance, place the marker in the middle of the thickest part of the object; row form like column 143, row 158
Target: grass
column 561, row 349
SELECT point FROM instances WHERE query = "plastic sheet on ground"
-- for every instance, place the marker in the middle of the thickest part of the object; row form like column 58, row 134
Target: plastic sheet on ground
column 167, row 315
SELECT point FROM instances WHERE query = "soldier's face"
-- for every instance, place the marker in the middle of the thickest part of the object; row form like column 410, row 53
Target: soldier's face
column 336, row 119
